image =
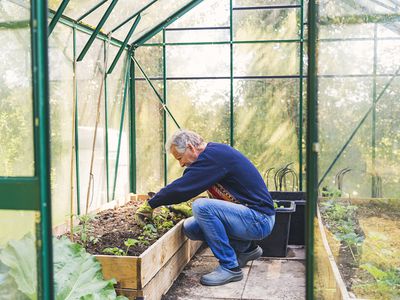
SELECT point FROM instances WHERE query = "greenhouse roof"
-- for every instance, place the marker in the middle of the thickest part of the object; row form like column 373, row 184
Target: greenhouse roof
column 130, row 22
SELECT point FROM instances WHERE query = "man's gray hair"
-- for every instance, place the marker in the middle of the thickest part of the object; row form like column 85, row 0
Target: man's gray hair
column 182, row 138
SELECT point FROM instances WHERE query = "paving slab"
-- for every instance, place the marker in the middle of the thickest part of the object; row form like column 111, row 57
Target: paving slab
column 276, row 279
column 266, row 278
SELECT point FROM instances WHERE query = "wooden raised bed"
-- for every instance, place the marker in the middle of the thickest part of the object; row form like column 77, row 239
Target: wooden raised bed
column 151, row 274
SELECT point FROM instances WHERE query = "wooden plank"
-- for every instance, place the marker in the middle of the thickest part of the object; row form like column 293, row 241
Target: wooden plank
column 156, row 256
column 123, row 268
column 165, row 277
column 331, row 284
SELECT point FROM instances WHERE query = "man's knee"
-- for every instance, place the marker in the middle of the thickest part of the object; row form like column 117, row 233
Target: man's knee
column 200, row 205
column 192, row 230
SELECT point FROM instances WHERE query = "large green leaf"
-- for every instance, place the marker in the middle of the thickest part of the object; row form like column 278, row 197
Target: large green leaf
column 77, row 274
column 8, row 286
column 20, row 257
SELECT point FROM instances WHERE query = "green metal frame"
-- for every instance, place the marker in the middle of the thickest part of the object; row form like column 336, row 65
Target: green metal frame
column 121, row 49
column 97, row 30
column 312, row 146
column 42, row 145
column 172, row 18
column 91, row 10
column 131, row 17
column 231, row 104
column 121, row 126
column 57, row 16
column 106, row 120
column 132, row 127
column 165, row 158
column 155, row 91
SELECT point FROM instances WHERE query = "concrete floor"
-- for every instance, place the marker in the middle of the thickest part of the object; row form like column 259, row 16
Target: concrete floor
column 266, row 278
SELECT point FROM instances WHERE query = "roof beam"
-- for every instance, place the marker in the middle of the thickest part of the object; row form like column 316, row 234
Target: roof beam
column 97, row 30
column 172, row 18
column 91, row 10
column 121, row 49
column 57, row 16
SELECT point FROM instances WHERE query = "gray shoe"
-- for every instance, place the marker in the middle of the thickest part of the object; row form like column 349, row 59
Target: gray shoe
column 245, row 257
column 221, row 276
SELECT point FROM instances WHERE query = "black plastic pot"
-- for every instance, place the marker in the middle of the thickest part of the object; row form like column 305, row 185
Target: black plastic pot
column 276, row 243
column 298, row 221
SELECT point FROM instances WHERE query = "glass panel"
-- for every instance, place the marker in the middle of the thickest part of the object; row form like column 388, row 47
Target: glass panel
column 115, row 94
column 61, row 122
column 210, row 13
column 266, row 118
column 15, row 246
column 360, row 204
column 201, row 106
column 200, row 60
column 150, row 59
column 355, row 57
column 75, row 9
column 275, row 59
column 16, row 110
column 265, row 24
column 157, row 13
column 240, row 3
column 90, row 89
column 149, row 138
column 195, row 36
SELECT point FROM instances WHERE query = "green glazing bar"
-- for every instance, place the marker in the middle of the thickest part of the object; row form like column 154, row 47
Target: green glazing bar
column 131, row 17
column 360, row 19
column 57, row 16
column 15, row 24
column 312, row 146
column 97, row 30
column 132, row 127
column 172, row 18
column 42, row 145
column 373, row 128
column 14, row 191
column 300, row 137
column 358, row 126
column 106, row 122
column 121, row 49
column 91, row 10
column 121, row 125
column 78, row 193
column 221, row 43
column 155, row 91
column 164, row 113
column 231, row 131
column 87, row 30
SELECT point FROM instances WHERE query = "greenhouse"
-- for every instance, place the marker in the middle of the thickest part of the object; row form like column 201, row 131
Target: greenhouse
column 92, row 90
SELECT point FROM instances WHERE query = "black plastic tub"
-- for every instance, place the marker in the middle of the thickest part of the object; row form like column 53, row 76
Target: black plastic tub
column 298, row 221
column 276, row 243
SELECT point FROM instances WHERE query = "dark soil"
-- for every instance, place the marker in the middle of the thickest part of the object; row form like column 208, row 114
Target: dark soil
column 112, row 227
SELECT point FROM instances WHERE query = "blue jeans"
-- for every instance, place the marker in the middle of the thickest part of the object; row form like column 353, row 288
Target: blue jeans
column 228, row 228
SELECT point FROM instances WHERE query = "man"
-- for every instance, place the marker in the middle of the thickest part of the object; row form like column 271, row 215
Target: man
column 240, row 208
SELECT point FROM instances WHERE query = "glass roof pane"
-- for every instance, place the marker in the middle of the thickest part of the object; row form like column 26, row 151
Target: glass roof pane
column 75, row 9
column 154, row 15
column 122, row 11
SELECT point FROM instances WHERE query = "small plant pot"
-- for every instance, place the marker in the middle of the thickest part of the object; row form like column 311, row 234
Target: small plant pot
column 276, row 243
column 298, row 220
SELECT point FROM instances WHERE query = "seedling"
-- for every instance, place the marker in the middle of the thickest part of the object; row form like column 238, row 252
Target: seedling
column 129, row 243
column 84, row 229
column 114, row 251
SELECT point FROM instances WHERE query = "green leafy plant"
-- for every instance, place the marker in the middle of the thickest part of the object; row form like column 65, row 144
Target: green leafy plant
column 77, row 274
column 114, row 251
column 130, row 243
column 341, row 220
column 84, row 229
column 387, row 280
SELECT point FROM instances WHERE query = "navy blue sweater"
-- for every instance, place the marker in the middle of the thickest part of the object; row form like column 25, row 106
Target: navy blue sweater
column 223, row 165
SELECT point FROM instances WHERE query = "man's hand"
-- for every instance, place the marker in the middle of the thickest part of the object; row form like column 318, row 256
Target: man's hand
column 143, row 213
column 181, row 208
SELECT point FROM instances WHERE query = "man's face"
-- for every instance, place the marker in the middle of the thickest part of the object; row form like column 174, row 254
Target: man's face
column 186, row 158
